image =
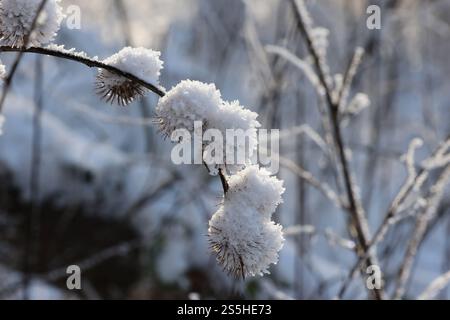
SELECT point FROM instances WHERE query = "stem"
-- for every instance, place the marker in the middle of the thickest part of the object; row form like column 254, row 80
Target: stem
column 224, row 181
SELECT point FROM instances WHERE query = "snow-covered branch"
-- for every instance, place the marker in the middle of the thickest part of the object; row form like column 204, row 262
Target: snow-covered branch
column 72, row 55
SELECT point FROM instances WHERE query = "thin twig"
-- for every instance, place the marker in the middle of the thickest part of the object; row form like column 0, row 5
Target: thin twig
column 349, row 77
column 224, row 181
column 423, row 221
column 435, row 287
column 332, row 238
column 308, row 177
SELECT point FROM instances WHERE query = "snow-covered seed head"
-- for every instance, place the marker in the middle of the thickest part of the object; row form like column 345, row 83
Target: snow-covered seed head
column 256, row 187
column 16, row 20
column 245, row 243
column 114, row 89
column 241, row 232
column 194, row 101
column 186, row 103
column 143, row 63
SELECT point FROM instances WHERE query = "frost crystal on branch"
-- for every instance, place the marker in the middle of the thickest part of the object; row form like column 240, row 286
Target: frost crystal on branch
column 360, row 102
column 143, row 63
column 242, row 234
column 16, row 19
column 320, row 40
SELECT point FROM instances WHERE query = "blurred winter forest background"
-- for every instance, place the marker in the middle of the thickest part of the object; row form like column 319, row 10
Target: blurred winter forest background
column 106, row 197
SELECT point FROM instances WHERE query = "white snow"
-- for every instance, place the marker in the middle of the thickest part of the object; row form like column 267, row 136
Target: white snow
column 359, row 102
column 186, row 103
column 144, row 64
column 257, row 188
column 72, row 51
column 140, row 62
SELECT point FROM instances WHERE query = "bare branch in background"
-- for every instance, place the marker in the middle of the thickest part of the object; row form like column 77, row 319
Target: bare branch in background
column 423, row 220
column 324, row 188
column 355, row 209
column 413, row 182
column 300, row 64
column 349, row 77
column 332, row 238
column 435, row 287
